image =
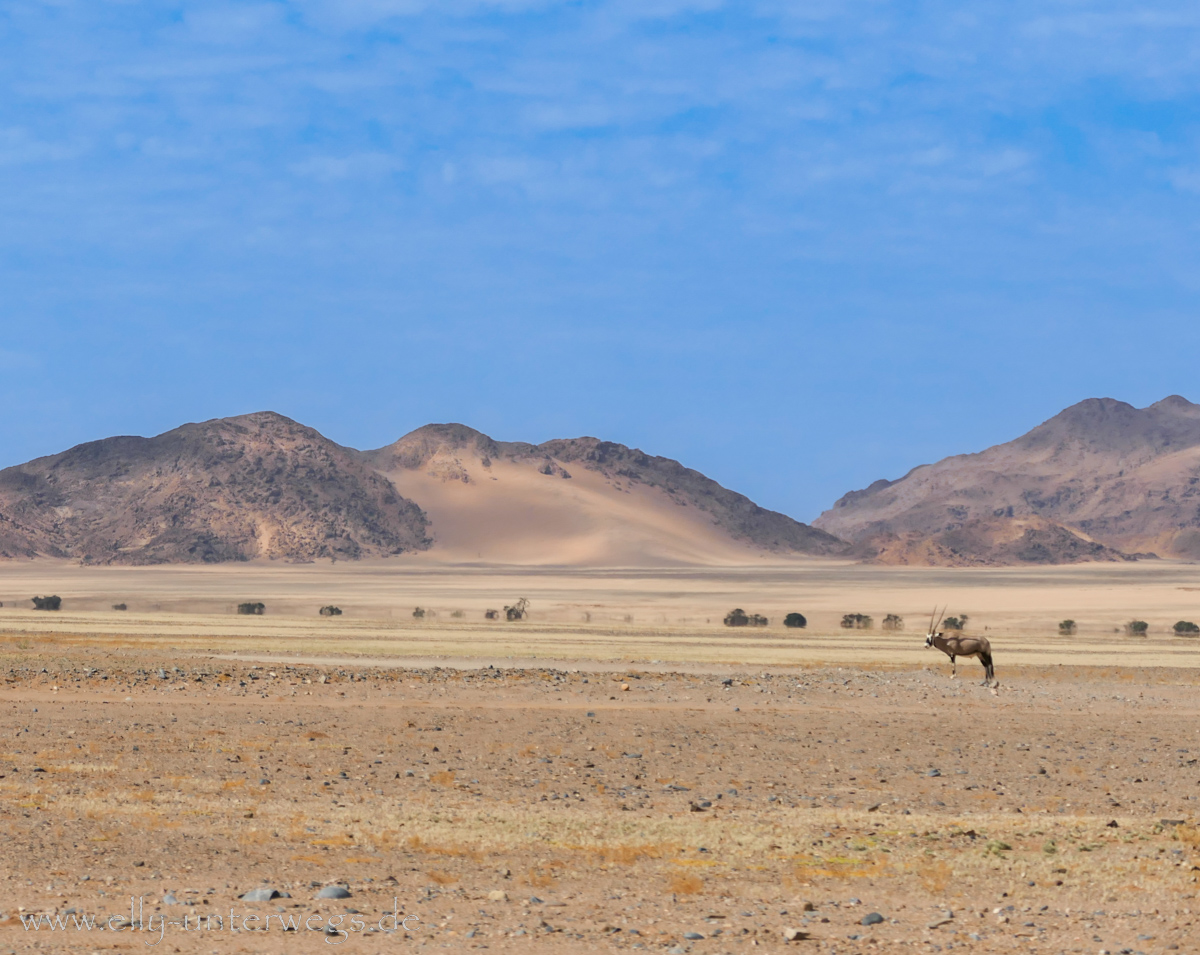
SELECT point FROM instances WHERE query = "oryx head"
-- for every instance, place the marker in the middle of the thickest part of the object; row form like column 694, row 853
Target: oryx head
column 933, row 625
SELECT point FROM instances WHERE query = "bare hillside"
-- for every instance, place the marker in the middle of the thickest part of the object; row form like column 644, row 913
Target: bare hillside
column 259, row 485
column 1102, row 478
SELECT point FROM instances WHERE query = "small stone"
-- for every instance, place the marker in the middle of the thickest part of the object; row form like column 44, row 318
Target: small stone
column 334, row 892
column 794, row 935
column 498, row 895
column 934, row 772
column 624, row 687
column 693, row 936
column 263, row 894
column 808, row 907
column 169, row 899
column 873, row 918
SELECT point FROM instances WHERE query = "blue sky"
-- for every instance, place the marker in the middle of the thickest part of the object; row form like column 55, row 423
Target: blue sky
column 796, row 246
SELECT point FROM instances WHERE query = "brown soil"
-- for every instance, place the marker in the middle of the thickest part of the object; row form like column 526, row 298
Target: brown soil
column 510, row 806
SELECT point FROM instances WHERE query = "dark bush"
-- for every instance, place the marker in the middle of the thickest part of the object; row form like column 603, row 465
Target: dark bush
column 893, row 621
column 1137, row 628
column 955, row 623
column 736, row 618
column 492, row 614
column 1185, row 627
column 330, row 611
column 418, row 612
column 52, row 602
column 254, row 608
column 856, row 621
column 518, row 611
column 119, row 607
column 1067, row 628
column 757, row 620
column 795, row 620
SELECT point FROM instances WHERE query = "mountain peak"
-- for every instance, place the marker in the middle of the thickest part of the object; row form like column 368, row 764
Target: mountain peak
column 1124, row 477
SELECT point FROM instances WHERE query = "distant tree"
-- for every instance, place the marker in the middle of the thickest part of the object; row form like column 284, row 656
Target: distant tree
column 795, row 620
column 419, row 613
column 857, row 621
column 457, row 613
column 329, row 610
column 119, row 607
column 1067, row 628
column 518, row 611
column 1186, row 628
column 253, row 608
column 955, row 623
column 893, row 622
column 757, row 620
column 52, row 602
column 491, row 614
column 736, row 618
column 1136, row 628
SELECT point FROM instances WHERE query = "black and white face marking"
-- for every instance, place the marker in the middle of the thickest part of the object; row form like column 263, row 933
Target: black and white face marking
column 928, row 641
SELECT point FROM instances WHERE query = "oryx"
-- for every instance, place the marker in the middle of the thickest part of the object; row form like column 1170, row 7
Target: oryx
column 960, row 646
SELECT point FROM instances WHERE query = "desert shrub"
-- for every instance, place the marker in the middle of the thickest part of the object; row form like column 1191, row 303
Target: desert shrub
column 757, row 620
column 857, row 621
column 491, row 614
column 120, row 607
column 955, row 623
column 418, row 613
column 736, row 618
column 329, row 610
column 256, row 608
column 1067, row 628
column 893, row 621
column 795, row 620
column 52, row 602
column 518, row 611
column 1136, row 628
column 1185, row 627
column 456, row 614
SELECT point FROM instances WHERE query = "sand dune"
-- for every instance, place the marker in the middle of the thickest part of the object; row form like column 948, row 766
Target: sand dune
column 510, row 512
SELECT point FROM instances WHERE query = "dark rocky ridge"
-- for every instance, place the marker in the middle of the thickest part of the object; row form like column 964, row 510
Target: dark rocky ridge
column 258, row 485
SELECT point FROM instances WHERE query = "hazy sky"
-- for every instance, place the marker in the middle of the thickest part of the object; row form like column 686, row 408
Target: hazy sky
column 798, row 246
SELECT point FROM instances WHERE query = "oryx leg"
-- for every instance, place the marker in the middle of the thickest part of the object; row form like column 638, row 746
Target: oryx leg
column 989, row 671
column 953, row 668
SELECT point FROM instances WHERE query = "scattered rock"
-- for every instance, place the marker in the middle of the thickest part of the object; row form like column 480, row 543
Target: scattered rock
column 873, row 918
column 263, row 894
column 334, row 892
column 795, row 935
column 498, row 895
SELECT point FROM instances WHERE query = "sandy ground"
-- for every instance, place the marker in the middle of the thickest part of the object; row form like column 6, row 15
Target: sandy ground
column 745, row 785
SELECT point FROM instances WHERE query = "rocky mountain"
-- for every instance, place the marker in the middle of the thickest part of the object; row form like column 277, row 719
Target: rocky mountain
column 258, row 485
column 264, row 486
column 1102, row 480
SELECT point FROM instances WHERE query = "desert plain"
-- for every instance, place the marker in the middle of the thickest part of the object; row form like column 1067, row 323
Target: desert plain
column 617, row 771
